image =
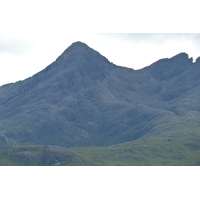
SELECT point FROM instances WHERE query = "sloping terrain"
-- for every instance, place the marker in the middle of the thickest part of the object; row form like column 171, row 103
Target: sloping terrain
column 83, row 100
column 163, row 149
column 39, row 155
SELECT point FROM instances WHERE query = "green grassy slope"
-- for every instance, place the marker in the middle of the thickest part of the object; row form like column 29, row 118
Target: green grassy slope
column 175, row 142
column 7, row 160
column 167, row 148
column 151, row 153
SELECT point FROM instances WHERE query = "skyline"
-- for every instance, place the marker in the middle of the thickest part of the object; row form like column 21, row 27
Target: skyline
column 26, row 54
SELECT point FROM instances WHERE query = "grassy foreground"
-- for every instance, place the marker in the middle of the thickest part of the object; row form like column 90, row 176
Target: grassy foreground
column 173, row 146
column 151, row 153
column 159, row 151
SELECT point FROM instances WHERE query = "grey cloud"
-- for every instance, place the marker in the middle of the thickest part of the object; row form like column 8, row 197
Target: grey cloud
column 155, row 38
column 196, row 41
column 15, row 45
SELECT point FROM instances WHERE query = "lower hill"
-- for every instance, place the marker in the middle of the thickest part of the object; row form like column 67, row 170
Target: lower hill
column 39, row 155
column 167, row 148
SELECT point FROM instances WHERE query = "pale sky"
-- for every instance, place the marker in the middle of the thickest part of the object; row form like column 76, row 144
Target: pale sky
column 23, row 55
column 34, row 33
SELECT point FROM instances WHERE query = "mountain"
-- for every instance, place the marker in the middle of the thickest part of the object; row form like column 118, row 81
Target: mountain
column 83, row 100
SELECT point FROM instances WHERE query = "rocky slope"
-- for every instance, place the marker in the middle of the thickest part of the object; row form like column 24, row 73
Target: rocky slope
column 82, row 99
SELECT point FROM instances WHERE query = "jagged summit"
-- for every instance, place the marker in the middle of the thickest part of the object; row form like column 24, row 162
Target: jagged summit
column 182, row 57
column 78, row 48
column 79, row 51
column 79, row 44
column 197, row 60
column 178, row 57
column 78, row 59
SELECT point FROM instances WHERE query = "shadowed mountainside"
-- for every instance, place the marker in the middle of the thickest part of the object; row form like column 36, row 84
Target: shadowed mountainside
column 82, row 99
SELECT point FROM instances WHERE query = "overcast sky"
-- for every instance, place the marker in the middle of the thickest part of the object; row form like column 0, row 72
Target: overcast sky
column 34, row 33
column 22, row 55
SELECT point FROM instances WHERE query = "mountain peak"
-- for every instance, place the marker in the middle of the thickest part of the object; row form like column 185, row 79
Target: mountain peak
column 167, row 68
column 197, row 60
column 78, row 44
column 79, row 51
column 182, row 56
column 77, row 47
column 80, row 59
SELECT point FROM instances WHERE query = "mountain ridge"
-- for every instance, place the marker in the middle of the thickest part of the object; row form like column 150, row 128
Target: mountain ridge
column 82, row 99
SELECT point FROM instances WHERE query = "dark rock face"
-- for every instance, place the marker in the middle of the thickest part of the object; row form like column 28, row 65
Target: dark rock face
column 82, row 99
column 43, row 155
